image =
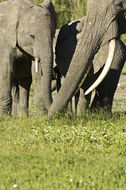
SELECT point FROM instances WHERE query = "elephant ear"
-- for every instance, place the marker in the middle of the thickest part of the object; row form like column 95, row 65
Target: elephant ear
column 100, row 58
column 48, row 5
column 8, row 22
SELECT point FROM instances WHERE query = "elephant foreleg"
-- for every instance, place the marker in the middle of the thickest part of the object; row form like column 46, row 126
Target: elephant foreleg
column 15, row 98
column 24, row 89
column 5, row 84
column 106, row 90
column 82, row 102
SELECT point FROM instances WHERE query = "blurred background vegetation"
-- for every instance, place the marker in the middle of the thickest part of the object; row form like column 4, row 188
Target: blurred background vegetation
column 69, row 10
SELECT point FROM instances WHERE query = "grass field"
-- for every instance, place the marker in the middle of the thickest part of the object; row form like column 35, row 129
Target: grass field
column 88, row 152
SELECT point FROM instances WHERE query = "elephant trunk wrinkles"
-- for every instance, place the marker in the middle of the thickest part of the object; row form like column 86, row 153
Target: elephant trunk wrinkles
column 87, row 47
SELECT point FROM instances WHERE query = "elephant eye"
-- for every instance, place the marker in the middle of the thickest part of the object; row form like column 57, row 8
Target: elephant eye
column 32, row 36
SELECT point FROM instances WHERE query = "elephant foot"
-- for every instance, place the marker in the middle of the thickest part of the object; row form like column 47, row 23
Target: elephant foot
column 40, row 111
column 23, row 114
column 5, row 112
column 5, row 109
column 20, row 114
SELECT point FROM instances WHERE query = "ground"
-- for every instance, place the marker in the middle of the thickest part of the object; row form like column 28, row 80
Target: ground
column 119, row 103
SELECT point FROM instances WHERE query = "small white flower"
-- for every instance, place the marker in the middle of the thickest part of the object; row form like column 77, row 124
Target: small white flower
column 58, row 131
column 90, row 23
column 15, row 185
column 81, row 181
column 71, row 180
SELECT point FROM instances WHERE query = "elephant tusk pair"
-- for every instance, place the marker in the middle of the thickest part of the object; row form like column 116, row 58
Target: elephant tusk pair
column 106, row 67
column 36, row 65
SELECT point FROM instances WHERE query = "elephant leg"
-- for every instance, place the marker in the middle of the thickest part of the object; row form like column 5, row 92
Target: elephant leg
column 103, row 97
column 58, row 81
column 53, row 87
column 5, row 100
column 15, row 98
column 83, row 102
column 69, row 108
column 96, row 103
column 24, row 89
column 5, row 83
column 106, row 90
column 76, row 101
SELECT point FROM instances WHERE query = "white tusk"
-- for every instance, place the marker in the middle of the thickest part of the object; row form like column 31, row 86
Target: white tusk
column 36, row 65
column 106, row 67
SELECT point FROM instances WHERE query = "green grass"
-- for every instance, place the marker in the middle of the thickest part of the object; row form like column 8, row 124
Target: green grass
column 87, row 152
column 124, row 69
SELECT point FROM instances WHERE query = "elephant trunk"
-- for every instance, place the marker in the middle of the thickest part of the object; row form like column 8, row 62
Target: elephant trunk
column 46, row 73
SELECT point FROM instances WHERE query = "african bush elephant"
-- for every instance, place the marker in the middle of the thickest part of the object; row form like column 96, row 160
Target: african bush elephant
column 104, row 93
column 26, row 30
column 100, row 27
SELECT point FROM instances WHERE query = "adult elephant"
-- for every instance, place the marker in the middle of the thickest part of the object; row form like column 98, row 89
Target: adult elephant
column 104, row 93
column 100, row 27
column 26, row 29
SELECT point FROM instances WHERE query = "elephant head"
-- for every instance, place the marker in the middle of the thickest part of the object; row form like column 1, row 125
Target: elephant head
column 30, row 28
column 101, row 26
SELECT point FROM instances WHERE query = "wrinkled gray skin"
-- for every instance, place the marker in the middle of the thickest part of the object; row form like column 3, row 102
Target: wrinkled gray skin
column 100, row 26
column 65, row 47
column 26, row 33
